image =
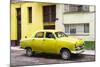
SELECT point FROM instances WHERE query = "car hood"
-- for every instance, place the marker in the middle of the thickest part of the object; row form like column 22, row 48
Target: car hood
column 73, row 40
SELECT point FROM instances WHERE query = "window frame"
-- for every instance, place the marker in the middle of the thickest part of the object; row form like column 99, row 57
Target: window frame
column 68, row 32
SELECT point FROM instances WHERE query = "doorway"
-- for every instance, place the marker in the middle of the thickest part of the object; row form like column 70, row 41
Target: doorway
column 18, row 25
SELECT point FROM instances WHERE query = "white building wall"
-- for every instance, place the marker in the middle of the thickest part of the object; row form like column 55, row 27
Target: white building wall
column 82, row 18
column 59, row 15
column 70, row 18
column 76, row 18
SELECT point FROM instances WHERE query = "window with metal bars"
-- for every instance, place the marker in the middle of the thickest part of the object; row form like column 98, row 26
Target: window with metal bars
column 77, row 28
column 76, row 8
column 49, row 13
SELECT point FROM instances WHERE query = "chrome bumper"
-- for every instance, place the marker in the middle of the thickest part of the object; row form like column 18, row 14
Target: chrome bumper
column 77, row 52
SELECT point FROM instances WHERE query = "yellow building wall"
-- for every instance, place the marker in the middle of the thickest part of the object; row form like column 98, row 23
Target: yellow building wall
column 26, row 28
column 13, row 23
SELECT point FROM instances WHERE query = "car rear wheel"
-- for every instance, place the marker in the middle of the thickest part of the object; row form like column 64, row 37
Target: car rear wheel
column 65, row 54
column 29, row 52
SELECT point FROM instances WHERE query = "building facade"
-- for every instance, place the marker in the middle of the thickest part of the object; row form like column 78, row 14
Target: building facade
column 76, row 20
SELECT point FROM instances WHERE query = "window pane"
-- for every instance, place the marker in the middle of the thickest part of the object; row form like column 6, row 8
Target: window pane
column 49, row 35
column 53, row 13
column 72, row 31
column 60, row 34
column 66, row 28
column 73, row 28
column 39, row 35
column 49, row 13
column 66, row 7
column 30, row 14
column 80, row 28
column 85, row 8
column 86, row 28
column 73, row 8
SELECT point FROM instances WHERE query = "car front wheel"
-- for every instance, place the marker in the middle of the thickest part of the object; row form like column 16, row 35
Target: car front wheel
column 65, row 54
column 29, row 52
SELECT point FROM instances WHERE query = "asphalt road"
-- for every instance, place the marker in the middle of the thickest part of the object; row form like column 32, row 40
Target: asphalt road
column 18, row 58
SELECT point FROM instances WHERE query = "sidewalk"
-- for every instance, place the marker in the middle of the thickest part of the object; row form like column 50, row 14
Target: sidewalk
column 16, row 48
column 87, row 52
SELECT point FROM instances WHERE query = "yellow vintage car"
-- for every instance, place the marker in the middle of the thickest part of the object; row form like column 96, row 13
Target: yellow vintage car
column 52, row 41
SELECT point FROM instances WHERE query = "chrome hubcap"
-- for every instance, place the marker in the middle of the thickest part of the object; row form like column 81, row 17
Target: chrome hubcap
column 65, row 55
column 29, row 52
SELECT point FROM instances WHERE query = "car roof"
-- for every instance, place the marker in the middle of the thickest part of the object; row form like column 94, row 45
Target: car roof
column 48, row 30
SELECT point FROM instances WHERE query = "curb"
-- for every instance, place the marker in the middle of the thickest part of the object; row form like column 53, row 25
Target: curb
column 16, row 48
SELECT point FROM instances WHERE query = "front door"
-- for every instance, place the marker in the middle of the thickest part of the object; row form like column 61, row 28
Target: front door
column 18, row 10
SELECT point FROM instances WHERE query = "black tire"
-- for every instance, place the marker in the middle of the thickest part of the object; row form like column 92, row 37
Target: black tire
column 29, row 52
column 65, row 54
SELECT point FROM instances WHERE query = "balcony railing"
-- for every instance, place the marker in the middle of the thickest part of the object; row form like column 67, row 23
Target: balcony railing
column 76, row 8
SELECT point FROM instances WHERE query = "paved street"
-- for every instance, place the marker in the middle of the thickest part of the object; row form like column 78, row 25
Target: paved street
column 18, row 57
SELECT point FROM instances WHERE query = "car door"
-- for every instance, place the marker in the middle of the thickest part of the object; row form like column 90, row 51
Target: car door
column 37, row 41
column 49, row 42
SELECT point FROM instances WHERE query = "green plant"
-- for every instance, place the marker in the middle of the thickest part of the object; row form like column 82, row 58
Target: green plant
column 90, row 45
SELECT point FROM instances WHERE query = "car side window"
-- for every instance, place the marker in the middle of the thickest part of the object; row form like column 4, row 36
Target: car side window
column 49, row 35
column 39, row 35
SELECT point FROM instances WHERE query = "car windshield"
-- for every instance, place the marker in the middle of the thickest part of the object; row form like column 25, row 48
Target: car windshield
column 60, row 34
